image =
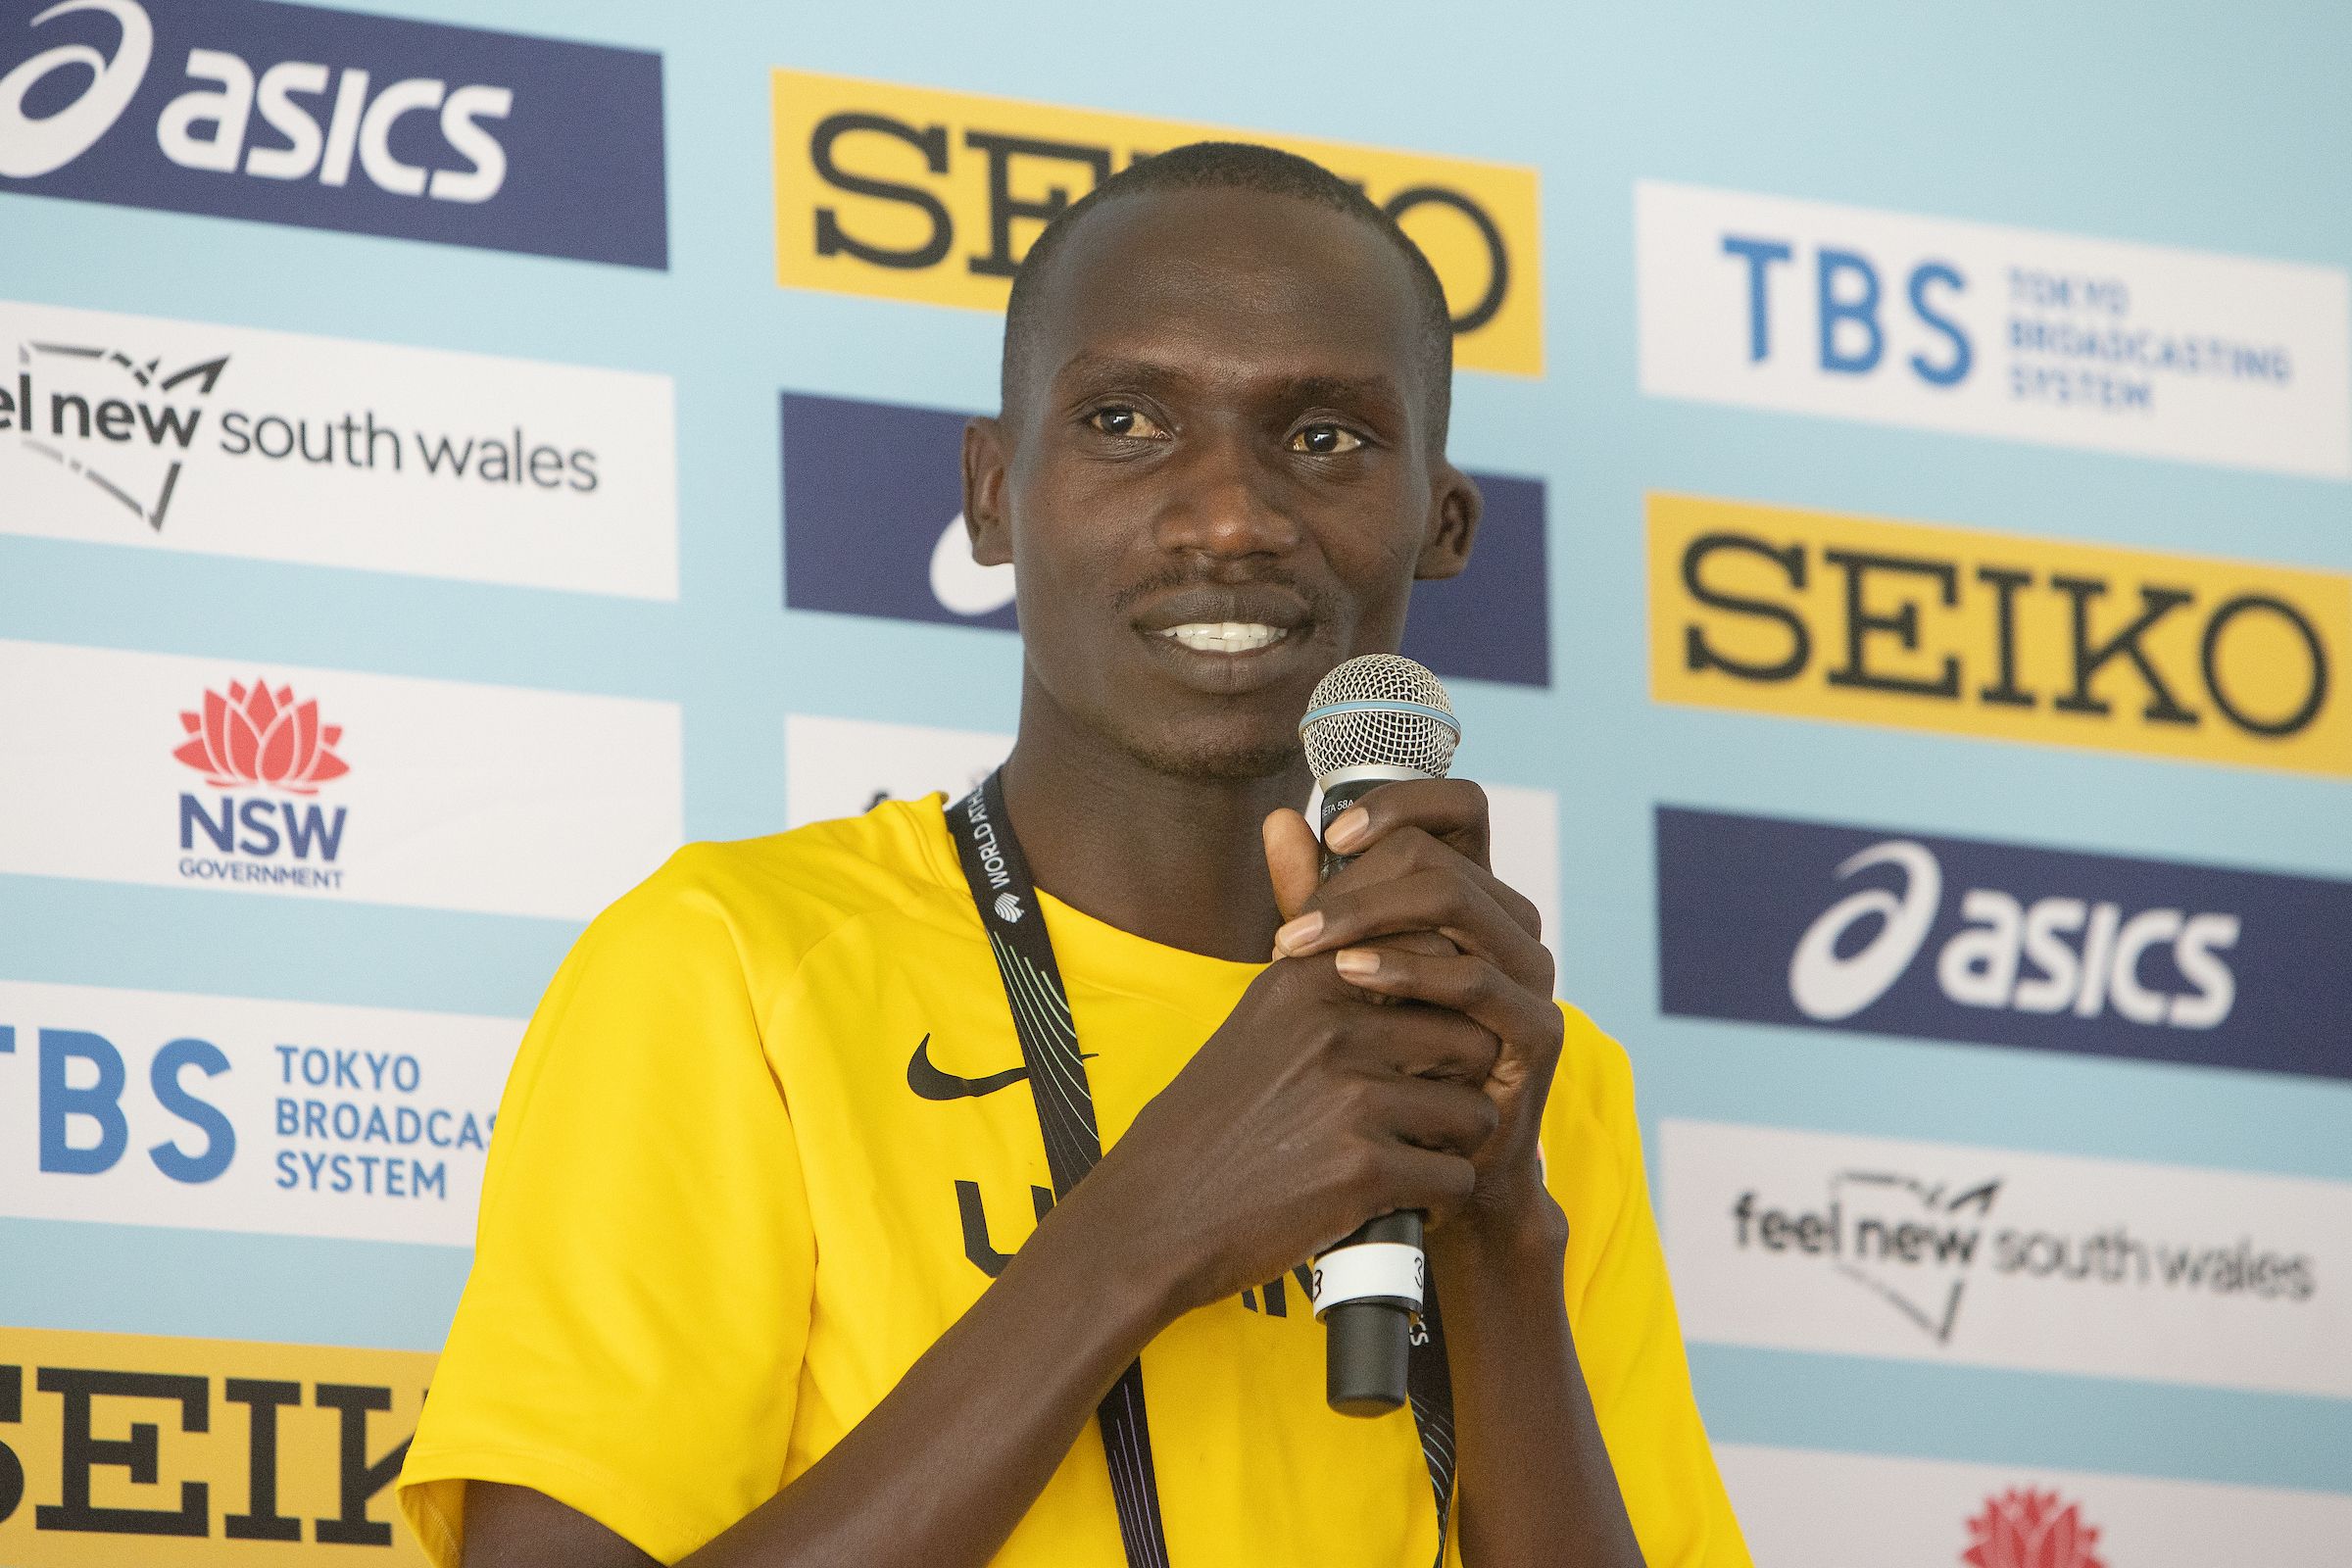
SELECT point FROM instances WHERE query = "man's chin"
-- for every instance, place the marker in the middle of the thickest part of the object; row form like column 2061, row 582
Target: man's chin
column 1216, row 759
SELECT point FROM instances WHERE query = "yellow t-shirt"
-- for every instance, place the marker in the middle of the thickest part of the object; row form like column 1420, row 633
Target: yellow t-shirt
column 766, row 1139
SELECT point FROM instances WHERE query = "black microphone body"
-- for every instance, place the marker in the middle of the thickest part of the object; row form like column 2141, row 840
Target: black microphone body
column 1368, row 1340
column 1375, row 719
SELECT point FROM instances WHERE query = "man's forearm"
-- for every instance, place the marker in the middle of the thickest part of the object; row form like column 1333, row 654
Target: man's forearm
column 1535, row 1486
column 945, row 1468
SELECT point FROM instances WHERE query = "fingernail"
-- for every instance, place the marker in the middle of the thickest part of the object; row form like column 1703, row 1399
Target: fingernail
column 1350, row 826
column 1357, row 963
column 1301, row 933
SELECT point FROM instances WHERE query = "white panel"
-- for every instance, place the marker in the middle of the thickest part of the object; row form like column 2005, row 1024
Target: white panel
column 1805, row 1509
column 457, row 797
column 1993, row 1258
column 232, row 441
column 1985, row 331
column 287, row 1117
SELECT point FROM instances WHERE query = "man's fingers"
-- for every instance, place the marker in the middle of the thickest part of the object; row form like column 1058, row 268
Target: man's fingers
column 1453, row 809
column 1448, row 901
column 1408, row 849
column 1436, row 1183
column 1417, row 1042
column 1463, row 984
column 1292, row 860
column 1450, row 1118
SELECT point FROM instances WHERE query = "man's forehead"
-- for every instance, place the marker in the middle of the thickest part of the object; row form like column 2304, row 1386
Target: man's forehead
column 1301, row 288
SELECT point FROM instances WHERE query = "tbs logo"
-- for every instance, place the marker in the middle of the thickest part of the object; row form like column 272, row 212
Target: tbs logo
column 67, row 1107
column 2056, row 954
column 1853, row 311
column 265, row 741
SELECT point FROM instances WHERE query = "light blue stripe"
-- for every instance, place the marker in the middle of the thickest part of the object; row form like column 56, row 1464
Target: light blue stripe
column 294, row 1290
column 2027, row 1419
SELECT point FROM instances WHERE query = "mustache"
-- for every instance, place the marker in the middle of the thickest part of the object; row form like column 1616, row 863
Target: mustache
column 1208, row 574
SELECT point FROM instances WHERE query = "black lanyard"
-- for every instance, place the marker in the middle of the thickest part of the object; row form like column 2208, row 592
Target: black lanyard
column 999, row 876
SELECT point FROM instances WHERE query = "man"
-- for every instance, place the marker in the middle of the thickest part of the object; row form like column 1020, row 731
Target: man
column 770, row 1267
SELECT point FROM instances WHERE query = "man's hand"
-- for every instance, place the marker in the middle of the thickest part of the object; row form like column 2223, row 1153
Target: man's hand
column 1305, row 1115
column 1421, row 871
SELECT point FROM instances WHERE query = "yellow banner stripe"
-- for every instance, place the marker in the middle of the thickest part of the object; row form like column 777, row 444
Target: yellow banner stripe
column 1814, row 614
column 121, row 1448
column 906, row 193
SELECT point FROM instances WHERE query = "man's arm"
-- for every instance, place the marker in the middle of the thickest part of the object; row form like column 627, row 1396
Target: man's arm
column 1536, row 1482
column 1537, row 1486
column 942, row 1469
column 1306, row 1114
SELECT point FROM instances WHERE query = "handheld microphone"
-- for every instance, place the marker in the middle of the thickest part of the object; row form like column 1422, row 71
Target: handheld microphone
column 1377, row 717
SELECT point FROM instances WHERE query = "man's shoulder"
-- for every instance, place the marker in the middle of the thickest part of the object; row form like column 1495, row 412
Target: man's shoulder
column 781, row 894
column 1594, row 1076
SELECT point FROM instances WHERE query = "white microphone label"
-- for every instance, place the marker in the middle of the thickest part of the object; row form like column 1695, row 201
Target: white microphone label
column 1369, row 1271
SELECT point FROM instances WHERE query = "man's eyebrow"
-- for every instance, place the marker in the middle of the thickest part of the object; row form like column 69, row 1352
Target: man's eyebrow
column 1349, row 389
column 1377, row 389
column 1097, row 370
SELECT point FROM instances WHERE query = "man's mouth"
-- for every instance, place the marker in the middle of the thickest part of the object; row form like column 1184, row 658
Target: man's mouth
column 1225, row 636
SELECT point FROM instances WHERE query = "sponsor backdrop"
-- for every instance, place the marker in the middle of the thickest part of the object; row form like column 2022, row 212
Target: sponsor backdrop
column 451, row 453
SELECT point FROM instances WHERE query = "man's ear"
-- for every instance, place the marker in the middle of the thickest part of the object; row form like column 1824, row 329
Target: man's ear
column 984, row 492
column 1456, row 506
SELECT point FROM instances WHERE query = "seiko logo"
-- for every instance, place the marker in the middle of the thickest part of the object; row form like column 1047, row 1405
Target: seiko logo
column 914, row 194
column 1819, row 616
column 2055, row 955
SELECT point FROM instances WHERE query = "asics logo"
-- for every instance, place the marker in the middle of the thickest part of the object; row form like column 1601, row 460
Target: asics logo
column 1828, row 986
column 318, row 123
column 29, row 147
column 2050, row 955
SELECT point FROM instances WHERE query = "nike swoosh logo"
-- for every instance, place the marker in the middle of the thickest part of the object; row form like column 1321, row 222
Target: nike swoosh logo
column 929, row 1083
column 960, row 584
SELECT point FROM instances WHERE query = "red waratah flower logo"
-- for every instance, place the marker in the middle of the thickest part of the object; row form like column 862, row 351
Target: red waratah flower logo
column 2028, row 1529
column 256, row 736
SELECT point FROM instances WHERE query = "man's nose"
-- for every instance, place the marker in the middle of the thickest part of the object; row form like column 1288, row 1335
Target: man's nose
column 1226, row 499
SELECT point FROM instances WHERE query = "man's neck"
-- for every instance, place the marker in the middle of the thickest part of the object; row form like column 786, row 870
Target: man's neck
column 1176, row 860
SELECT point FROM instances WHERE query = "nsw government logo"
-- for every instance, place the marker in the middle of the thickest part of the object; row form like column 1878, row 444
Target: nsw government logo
column 2030, row 1529
column 268, row 746
column 300, row 115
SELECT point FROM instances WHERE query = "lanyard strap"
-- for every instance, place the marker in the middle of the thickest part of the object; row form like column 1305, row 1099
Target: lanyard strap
column 1007, row 900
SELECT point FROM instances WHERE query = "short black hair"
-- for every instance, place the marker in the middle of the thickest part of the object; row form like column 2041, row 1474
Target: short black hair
column 1239, row 165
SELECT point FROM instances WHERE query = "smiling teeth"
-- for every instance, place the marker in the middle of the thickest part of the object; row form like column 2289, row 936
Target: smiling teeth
column 1225, row 637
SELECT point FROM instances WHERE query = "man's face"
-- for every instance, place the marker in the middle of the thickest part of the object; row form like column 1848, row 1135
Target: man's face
column 1218, row 481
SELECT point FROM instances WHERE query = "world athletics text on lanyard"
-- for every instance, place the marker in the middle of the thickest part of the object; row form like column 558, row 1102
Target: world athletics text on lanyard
column 1002, row 891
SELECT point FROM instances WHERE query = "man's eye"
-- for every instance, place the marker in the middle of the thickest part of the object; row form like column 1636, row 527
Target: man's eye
column 1119, row 419
column 1326, row 440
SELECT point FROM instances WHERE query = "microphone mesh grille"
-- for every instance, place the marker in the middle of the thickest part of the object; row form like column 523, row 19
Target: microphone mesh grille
column 1397, row 737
